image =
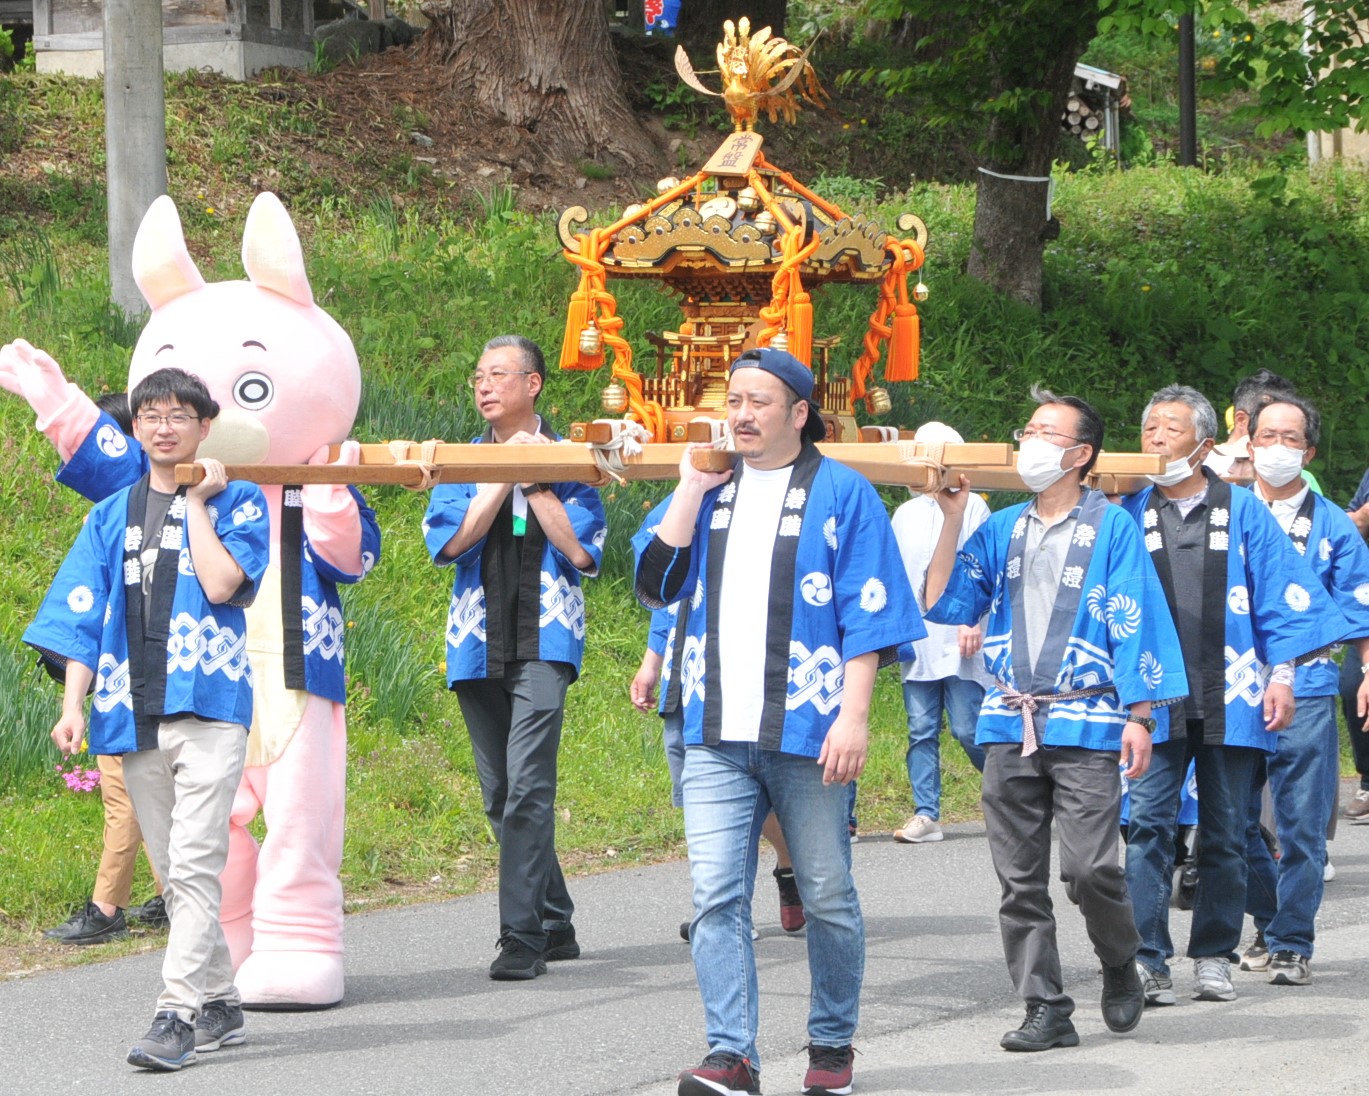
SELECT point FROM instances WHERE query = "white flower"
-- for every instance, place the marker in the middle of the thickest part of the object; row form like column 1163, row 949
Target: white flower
column 873, row 596
column 1152, row 673
column 1362, row 593
column 80, row 600
column 1298, row 599
column 1324, row 549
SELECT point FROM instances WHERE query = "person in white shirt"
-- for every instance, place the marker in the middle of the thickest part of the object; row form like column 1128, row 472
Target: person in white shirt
column 945, row 673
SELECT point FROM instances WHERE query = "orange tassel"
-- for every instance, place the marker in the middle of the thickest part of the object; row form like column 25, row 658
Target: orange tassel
column 903, row 344
column 800, row 333
column 577, row 316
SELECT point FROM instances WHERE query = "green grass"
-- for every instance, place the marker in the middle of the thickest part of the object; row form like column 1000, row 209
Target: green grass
column 1159, row 274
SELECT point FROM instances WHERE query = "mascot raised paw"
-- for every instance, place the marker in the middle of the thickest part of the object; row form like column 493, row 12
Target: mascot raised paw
column 287, row 379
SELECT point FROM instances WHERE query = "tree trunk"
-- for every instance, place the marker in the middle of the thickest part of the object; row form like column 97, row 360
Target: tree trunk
column 1010, row 221
column 701, row 23
column 546, row 68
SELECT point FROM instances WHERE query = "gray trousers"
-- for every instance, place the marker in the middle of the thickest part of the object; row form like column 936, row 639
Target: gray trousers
column 1080, row 790
column 515, row 728
column 183, row 793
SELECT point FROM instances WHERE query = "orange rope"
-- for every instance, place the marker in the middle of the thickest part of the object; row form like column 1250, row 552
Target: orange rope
column 893, row 293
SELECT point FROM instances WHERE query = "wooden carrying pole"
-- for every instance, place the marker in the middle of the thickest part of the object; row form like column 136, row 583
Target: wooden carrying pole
column 990, row 466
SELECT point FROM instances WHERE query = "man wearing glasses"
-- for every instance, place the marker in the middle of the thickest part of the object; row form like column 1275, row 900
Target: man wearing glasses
column 1080, row 647
column 515, row 639
column 1304, row 773
column 1246, row 605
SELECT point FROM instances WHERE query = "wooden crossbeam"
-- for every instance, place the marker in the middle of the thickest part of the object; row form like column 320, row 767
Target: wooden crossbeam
column 991, row 466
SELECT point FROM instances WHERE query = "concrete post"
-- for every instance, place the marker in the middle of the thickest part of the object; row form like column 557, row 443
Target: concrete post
column 135, row 133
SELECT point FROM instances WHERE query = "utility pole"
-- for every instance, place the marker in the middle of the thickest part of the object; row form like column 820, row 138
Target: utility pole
column 1188, row 97
column 135, row 133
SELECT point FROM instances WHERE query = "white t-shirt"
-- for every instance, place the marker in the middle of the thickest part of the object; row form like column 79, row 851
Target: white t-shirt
column 917, row 526
column 744, row 600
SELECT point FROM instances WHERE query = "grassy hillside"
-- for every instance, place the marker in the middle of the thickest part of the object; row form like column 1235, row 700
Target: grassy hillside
column 1159, row 275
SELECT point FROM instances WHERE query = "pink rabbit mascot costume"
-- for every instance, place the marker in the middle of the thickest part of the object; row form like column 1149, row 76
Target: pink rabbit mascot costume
column 287, row 380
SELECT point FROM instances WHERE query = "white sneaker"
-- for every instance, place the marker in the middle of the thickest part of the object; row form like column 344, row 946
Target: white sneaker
column 918, row 829
column 1329, row 872
column 1212, row 979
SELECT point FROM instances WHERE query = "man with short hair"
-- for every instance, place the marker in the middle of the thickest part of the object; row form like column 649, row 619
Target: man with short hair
column 1081, row 648
column 1244, row 602
column 515, row 640
column 796, row 595
column 942, row 674
column 147, row 612
column 1304, row 772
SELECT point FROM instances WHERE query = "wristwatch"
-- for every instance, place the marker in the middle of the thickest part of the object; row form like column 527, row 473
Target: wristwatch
column 1143, row 721
column 533, row 488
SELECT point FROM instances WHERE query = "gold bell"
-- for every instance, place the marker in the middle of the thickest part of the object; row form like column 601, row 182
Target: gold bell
column 780, row 341
column 878, row 402
column 613, row 398
column 591, row 341
column 765, row 222
column 668, row 183
column 748, row 201
column 920, row 292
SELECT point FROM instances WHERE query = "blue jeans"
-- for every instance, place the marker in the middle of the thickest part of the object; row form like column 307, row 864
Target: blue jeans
column 1304, row 778
column 1224, row 778
column 672, row 737
column 925, row 701
column 728, row 791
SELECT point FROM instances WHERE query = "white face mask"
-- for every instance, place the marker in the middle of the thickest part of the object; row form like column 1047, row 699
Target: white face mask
column 1277, row 465
column 1038, row 463
column 1176, row 471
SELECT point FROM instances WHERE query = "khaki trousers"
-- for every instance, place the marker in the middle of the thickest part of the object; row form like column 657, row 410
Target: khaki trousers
column 114, row 879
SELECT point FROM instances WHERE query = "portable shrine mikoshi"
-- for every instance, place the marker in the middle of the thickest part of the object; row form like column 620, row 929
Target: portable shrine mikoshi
column 740, row 243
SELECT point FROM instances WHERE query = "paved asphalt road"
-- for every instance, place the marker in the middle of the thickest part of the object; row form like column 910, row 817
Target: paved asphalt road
column 421, row 1015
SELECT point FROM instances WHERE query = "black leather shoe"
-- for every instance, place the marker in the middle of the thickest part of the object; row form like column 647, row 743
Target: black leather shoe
column 89, row 926
column 151, row 913
column 1124, row 998
column 1043, row 1028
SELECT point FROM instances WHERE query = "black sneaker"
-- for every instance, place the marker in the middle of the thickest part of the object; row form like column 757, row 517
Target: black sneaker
column 168, row 1045
column 1043, row 1028
column 561, row 945
column 89, row 926
column 517, row 962
column 220, row 1024
column 684, row 930
column 829, row 1071
column 151, row 913
column 720, row 1074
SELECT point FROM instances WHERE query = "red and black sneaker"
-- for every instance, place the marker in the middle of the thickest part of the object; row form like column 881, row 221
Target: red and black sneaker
column 792, row 918
column 720, row 1073
column 829, row 1071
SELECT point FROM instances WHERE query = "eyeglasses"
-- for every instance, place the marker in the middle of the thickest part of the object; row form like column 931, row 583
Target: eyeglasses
column 1276, row 437
column 1026, row 433
column 177, row 420
column 496, row 376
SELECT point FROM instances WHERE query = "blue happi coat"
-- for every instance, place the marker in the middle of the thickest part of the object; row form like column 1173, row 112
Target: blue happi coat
column 193, row 656
column 837, row 590
column 1325, row 536
column 561, row 610
column 1112, row 628
column 1274, row 609
column 108, row 460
